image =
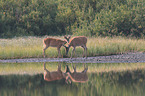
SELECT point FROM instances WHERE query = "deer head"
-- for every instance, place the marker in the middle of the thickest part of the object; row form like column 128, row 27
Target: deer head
column 53, row 42
column 76, row 41
column 54, row 75
column 77, row 76
column 67, row 38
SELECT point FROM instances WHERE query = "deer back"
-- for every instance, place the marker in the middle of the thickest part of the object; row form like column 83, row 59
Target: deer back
column 79, row 76
column 54, row 75
column 78, row 41
column 53, row 42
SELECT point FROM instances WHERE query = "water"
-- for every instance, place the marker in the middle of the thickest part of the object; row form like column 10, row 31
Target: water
column 27, row 79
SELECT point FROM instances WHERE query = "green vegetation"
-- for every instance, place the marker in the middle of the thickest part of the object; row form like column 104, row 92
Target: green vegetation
column 77, row 17
column 127, row 79
column 32, row 47
column 127, row 83
column 37, row 68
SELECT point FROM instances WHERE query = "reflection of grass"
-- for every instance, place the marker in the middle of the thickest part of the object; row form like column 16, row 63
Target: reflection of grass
column 36, row 68
column 127, row 83
column 25, row 47
column 21, row 68
column 116, row 67
column 27, row 68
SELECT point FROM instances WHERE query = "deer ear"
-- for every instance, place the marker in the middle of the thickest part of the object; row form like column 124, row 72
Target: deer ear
column 65, row 37
column 69, row 36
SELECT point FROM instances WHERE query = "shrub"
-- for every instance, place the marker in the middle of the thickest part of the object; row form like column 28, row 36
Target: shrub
column 77, row 17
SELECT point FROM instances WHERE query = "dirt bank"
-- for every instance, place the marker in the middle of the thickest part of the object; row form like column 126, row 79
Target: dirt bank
column 123, row 58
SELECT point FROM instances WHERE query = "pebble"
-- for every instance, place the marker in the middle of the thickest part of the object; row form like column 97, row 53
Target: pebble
column 122, row 58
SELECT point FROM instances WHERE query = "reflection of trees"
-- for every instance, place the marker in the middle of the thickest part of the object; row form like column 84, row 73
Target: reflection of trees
column 30, row 85
column 124, row 78
column 119, row 83
column 129, row 83
column 16, row 81
column 54, row 92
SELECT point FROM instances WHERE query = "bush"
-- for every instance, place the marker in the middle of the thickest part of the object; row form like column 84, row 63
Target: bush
column 77, row 17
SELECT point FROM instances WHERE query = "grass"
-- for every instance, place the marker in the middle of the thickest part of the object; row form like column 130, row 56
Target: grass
column 37, row 68
column 32, row 47
column 115, row 45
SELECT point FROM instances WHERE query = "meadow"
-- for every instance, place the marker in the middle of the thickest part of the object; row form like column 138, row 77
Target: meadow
column 32, row 47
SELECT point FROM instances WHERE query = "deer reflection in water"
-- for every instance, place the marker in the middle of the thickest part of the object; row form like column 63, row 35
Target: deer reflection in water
column 81, row 77
column 54, row 75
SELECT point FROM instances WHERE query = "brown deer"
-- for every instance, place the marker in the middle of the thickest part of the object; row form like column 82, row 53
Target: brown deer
column 81, row 77
column 53, row 42
column 76, row 41
column 54, row 75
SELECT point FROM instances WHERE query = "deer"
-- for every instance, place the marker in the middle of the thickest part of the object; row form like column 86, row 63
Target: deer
column 53, row 42
column 81, row 77
column 74, row 42
column 54, row 75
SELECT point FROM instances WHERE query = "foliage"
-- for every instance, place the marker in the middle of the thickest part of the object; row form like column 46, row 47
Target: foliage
column 77, row 17
column 32, row 47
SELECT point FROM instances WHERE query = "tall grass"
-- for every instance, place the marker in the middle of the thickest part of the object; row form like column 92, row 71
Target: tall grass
column 115, row 45
column 26, row 47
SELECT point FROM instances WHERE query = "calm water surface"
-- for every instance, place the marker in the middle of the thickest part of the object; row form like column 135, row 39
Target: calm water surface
column 27, row 79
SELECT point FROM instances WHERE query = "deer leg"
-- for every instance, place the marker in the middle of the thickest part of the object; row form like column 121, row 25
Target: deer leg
column 73, row 51
column 58, row 49
column 86, row 51
column 74, row 67
column 67, row 76
column 44, row 67
column 67, row 79
column 59, row 67
column 67, row 69
column 46, row 72
column 85, row 69
column 44, row 51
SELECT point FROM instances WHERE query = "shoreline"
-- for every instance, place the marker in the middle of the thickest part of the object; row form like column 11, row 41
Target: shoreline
column 137, row 57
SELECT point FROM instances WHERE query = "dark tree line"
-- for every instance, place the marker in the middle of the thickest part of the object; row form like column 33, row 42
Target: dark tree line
column 77, row 17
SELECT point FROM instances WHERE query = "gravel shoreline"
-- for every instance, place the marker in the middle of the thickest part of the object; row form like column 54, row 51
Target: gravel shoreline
column 122, row 58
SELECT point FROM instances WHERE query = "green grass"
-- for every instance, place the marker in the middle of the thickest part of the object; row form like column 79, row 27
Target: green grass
column 32, row 47
column 115, row 45
column 37, row 68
